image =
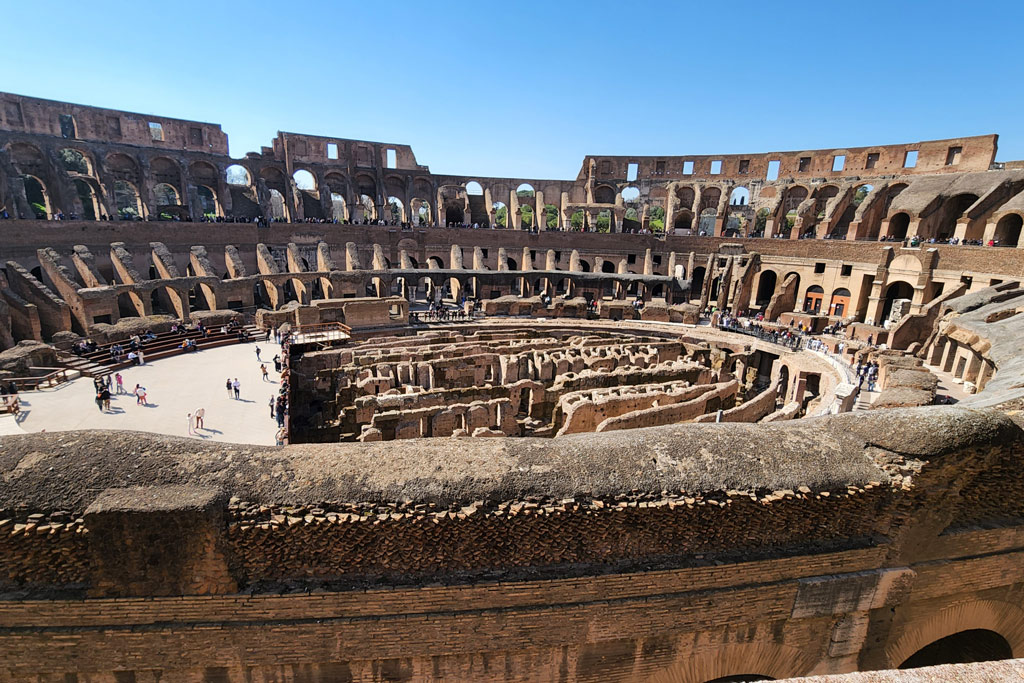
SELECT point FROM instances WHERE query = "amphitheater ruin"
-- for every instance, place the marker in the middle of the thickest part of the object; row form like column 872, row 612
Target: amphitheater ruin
column 681, row 418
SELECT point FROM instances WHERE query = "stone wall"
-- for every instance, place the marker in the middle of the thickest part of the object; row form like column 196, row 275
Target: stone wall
column 668, row 579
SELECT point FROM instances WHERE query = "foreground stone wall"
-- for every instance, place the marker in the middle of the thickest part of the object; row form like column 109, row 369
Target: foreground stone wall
column 683, row 553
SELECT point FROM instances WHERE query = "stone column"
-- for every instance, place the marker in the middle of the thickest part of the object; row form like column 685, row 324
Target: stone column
column 514, row 219
column 489, row 207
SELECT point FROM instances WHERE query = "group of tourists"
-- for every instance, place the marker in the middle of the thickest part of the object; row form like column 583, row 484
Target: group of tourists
column 867, row 372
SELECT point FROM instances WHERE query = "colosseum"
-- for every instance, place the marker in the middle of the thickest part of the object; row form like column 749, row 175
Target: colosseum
column 681, row 418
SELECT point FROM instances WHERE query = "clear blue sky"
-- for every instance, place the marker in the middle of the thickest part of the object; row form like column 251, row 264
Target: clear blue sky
column 527, row 89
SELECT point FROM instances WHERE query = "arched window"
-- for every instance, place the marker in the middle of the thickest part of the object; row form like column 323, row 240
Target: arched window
column 126, row 199
column 304, row 180
column 207, row 201
column 974, row 645
column 740, row 196
column 35, row 193
column 237, row 175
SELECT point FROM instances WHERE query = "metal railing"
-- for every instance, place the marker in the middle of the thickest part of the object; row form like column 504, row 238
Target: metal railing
column 790, row 341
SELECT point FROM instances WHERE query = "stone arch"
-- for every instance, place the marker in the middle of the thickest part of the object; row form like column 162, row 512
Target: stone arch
column 203, row 173
column 208, row 201
column 394, row 186
column 757, row 660
column 74, row 160
column 950, row 213
column 237, row 175
column 740, row 196
column 396, row 209
column 273, row 177
column 24, row 153
column 126, row 199
column 278, row 206
column 365, row 207
column 37, row 195
column 685, row 196
column 899, row 224
column 338, row 208
column 697, row 281
column 683, row 220
column 419, row 211
column 122, row 167
column 767, row 281
column 1003, row 618
column 630, row 194
column 1008, row 230
column 454, row 214
column 166, row 197
column 304, row 180
column 604, row 194
column 165, row 171
column 894, row 290
column 89, row 198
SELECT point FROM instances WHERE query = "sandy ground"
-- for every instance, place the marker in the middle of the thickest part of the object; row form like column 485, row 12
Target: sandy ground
column 175, row 387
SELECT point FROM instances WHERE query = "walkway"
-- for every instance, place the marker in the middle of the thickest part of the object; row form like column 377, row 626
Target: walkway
column 948, row 386
column 176, row 386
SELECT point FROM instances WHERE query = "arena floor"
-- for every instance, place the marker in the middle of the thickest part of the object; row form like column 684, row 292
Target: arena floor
column 176, row 387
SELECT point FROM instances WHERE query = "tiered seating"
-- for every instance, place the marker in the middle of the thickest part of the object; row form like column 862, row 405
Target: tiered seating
column 99, row 362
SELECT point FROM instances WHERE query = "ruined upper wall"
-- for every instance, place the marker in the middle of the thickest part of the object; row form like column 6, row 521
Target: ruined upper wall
column 79, row 122
column 38, row 116
column 933, row 156
column 296, row 148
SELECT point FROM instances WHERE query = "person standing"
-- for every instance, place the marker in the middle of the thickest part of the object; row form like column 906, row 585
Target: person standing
column 105, row 397
column 271, row 407
column 236, row 386
column 258, row 359
column 199, row 415
column 228, row 385
column 120, row 382
column 99, row 400
column 263, row 369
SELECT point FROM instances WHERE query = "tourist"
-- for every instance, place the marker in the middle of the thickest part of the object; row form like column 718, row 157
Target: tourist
column 277, row 363
column 258, row 359
column 227, row 384
column 199, row 415
column 105, row 397
column 271, row 403
column 99, row 400
column 279, row 411
column 236, row 386
column 140, row 395
column 280, row 436
column 263, row 369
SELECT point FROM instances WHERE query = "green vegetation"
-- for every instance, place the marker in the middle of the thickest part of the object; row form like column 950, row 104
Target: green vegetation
column 761, row 220
column 501, row 216
column 73, row 161
column 527, row 213
column 860, row 194
column 657, row 219
column 577, row 220
column 604, row 221
column 551, row 211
